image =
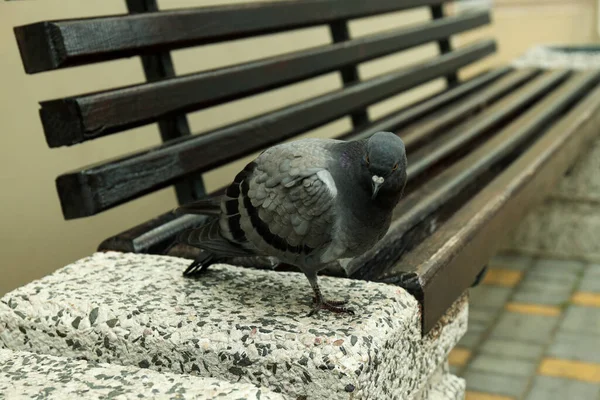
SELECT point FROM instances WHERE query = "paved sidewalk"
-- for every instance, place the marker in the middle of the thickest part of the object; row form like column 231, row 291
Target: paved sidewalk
column 534, row 332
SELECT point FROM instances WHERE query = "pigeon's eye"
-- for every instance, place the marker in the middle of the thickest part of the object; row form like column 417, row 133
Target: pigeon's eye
column 367, row 160
column 395, row 167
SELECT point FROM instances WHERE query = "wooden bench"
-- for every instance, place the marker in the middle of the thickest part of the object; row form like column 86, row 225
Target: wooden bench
column 481, row 152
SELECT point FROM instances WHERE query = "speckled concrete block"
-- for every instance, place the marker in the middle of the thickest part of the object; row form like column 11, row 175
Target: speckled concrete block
column 567, row 224
column 583, row 180
column 28, row 375
column 443, row 386
column 233, row 323
column 559, row 229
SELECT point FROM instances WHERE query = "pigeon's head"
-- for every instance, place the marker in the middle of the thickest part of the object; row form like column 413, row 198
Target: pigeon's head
column 385, row 162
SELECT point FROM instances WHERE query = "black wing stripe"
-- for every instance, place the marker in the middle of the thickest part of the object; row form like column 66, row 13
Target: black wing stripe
column 263, row 230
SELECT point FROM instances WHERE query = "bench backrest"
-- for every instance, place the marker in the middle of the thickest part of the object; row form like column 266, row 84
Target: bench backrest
column 166, row 98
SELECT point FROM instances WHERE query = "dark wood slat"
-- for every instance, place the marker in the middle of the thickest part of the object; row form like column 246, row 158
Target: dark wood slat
column 90, row 116
column 149, row 237
column 384, row 261
column 97, row 188
column 140, row 239
column 156, row 235
column 158, row 67
column 57, row 44
column 420, row 133
column 483, row 124
column 449, row 260
column 393, row 121
column 340, row 33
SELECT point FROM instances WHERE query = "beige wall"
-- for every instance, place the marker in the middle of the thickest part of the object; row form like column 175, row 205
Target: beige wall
column 35, row 240
column 519, row 24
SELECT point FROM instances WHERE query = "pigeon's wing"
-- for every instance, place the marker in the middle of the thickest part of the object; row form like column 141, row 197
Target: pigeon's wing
column 282, row 204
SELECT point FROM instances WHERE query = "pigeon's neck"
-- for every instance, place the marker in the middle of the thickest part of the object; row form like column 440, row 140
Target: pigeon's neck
column 354, row 186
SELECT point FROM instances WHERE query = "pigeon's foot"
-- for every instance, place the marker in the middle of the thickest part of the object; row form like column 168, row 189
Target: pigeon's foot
column 320, row 303
column 333, row 306
column 332, row 302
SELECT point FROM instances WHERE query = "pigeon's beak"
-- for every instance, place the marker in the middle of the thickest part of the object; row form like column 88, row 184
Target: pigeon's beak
column 376, row 185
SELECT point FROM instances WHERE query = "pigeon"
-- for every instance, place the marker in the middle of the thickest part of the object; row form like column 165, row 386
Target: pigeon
column 308, row 203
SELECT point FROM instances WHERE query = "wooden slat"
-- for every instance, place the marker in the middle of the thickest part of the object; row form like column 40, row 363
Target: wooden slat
column 447, row 262
column 96, row 188
column 150, row 236
column 85, row 117
column 458, row 138
column 394, row 120
column 420, row 133
column 57, row 44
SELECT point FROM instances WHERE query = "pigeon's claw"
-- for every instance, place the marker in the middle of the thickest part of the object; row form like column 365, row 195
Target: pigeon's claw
column 332, row 302
column 320, row 303
column 333, row 306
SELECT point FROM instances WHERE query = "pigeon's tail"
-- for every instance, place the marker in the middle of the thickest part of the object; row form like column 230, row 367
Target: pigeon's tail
column 208, row 237
column 202, row 238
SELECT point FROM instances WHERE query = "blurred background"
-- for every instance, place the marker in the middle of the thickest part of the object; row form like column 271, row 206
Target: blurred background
column 35, row 240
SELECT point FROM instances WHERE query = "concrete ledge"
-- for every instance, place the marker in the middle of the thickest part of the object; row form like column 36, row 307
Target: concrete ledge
column 444, row 386
column 567, row 224
column 28, row 375
column 233, row 323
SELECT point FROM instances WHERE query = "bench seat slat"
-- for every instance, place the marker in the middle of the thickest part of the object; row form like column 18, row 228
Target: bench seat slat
column 423, row 131
column 93, row 189
column 458, row 250
column 458, row 138
column 396, row 119
column 89, row 116
column 57, row 44
column 383, row 261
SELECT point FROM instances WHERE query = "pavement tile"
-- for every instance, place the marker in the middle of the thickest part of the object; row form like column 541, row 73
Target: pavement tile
column 524, row 327
column 502, row 277
column 583, row 320
column 569, row 369
column 489, row 382
column 512, row 349
column 589, row 284
column 540, row 293
column 459, row 356
column 502, row 365
column 511, row 261
column 471, row 395
column 575, row 346
column 554, row 279
column 492, row 297
column 592, row 271
column 482, row 315
column 551, row 388
column 470, row 339
column 590, row 281
column 557, row 267
column 533, row 309
column 588, row 299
